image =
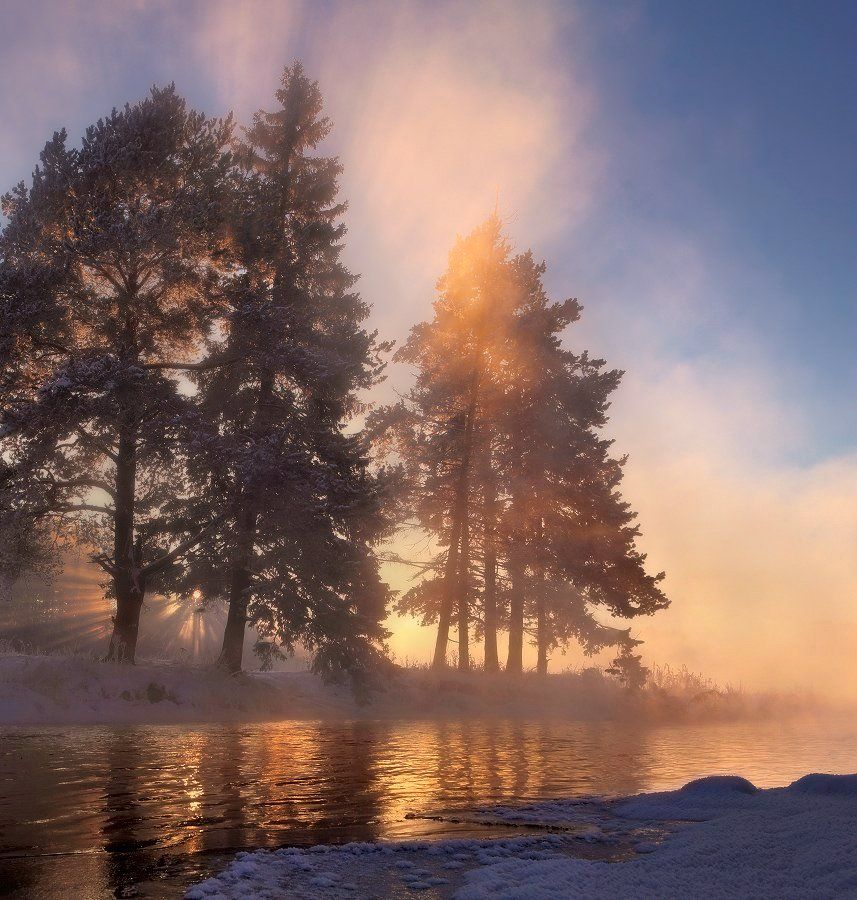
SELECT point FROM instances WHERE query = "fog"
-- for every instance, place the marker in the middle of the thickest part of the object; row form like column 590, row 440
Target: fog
column 442, row 111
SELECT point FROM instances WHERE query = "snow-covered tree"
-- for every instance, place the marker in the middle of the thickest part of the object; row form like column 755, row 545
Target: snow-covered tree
column 279, row 392
column 108, row 283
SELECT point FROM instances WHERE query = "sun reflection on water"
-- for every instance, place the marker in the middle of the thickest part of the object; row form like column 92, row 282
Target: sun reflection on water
column 87, row 810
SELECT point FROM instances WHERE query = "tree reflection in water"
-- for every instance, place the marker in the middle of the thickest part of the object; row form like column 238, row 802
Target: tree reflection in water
column 87, row 811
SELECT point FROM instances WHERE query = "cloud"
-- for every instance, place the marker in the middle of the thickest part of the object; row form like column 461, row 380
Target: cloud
column 241, row 46
column 756, row 531
column 461, row 105
column 759, row 552
column 439, row 110
column 42, row 73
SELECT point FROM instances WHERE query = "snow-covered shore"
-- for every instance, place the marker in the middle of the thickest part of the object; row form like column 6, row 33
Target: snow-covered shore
column 715, row 837
column 66, row 690
column 77, row 689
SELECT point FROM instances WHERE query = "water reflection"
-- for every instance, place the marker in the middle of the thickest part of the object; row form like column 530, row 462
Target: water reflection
column 223, row 764
column 85, row 812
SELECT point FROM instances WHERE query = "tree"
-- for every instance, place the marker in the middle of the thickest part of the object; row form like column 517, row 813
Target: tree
column 628, row 667
column 108, row 276
column 27, row 546
column 443, row 431
column 280, row 385
column 567, row 525
column 500, row 439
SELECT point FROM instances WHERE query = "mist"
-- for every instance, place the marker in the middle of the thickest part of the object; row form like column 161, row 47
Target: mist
column 461, row 108
column 428, row 451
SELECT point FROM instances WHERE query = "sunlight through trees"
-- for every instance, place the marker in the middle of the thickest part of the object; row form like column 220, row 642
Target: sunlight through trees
column 184, row 364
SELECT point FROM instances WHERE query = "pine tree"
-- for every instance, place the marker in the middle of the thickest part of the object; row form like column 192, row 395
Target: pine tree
column 628, row 667
column 443, row 432
column 107, row 282
column 280, row 387
column 567, row 523
column 500, row 438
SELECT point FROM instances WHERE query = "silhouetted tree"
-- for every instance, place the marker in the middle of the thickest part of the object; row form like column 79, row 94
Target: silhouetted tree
column 442, row 431
column 628, row 666
column 566, row 522
column 107, row 283
column 280, row 384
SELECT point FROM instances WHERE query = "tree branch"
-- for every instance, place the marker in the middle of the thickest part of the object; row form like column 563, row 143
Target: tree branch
column 192, row 367
column 104, row 273
column 99, row 445
column 104, row 561
column 80, row 482
column 84, row 507
column 158, row 564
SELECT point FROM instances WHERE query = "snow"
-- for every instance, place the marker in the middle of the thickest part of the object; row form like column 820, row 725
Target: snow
column 841, row 785
column 695, row 802
column 368, row 870
column 715, row 837
column 786, row 842
column 81, row 689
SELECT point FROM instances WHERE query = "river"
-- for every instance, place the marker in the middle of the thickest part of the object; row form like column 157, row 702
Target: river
column 101, row 811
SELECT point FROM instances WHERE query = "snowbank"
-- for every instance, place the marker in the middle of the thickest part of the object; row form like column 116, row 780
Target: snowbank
column 68, row 689
column 715, row 837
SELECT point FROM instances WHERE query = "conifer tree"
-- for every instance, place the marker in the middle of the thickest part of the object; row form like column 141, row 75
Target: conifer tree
column 501, row 442
column 303, row 510
column 107, row 285
column 443, row 431
column 567, row 522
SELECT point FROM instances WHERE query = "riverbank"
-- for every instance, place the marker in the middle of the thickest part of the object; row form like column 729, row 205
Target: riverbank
column 76, row 689
column 719, row 836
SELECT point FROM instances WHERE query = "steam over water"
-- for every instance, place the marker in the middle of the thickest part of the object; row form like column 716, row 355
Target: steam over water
column 85, row 811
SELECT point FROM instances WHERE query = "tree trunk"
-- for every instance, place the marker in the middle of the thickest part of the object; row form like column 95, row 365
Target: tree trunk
column 451, row 577
column 246, row 519
column 128, row 585
column 447, row 600
column 515, row 659
column 541, row 604
column 464, row 600
column 541, row 627
column 492, row 662
column 126, row 624
column 232, row 652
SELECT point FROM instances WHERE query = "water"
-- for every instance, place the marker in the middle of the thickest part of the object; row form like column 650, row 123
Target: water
column 86, row 812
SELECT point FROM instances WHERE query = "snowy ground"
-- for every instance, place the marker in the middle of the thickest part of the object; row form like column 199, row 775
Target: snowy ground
column 59, row 689
column 78, row 689
column 715, row 837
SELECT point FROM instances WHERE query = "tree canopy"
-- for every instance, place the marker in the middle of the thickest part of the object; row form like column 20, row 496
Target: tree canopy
column 184, row 366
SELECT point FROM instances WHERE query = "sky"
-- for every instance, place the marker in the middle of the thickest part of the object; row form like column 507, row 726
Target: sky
column 686, row 169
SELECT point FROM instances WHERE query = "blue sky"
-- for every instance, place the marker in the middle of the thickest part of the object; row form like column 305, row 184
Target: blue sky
column 686, row 168
column 736, row 123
